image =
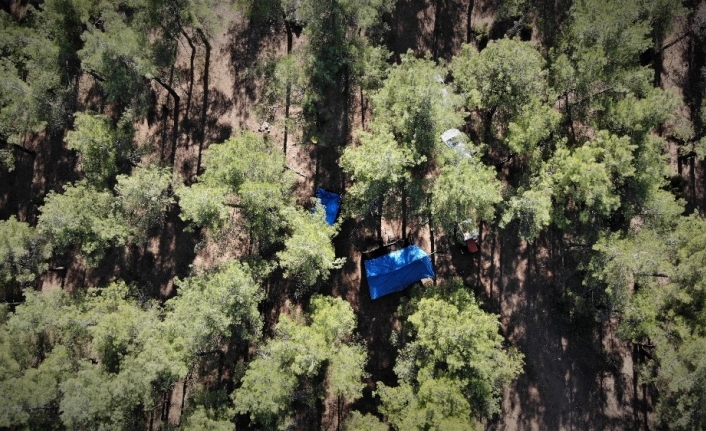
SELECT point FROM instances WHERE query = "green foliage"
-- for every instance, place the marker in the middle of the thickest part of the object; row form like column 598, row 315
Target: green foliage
column 82, row 215
column 415, row 106
column 22, row 253
column 283, row 77
column 211, row 308
column 503, row 78
column 26, row 392
column 531, row 207
column 73, row 356
column 143, row 197
column 531, row 128
column 297, row 357
column 453, row 365
column 308, row 253
column 466, row 189
column 681, row 378
column 247, row 169
column 367, row 422
column 588, row 178
column 203, row 419
column 203, row 204
column 598, row 58
column 654, row 276
column 173, row 17
column 371, row 66
column 32, row 90
column 119, row 53
column 101, row 146
column 101, row 360
column 439, row 404
column 377, row 167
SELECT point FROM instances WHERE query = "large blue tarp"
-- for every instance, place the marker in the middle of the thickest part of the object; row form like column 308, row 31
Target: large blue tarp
column 397, row 270
column 332, row 202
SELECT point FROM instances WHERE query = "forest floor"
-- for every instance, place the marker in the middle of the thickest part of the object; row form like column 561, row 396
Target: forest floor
column 577, row 375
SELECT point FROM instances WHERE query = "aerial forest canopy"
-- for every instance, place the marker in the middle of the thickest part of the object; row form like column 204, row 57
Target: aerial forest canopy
column 163, row 264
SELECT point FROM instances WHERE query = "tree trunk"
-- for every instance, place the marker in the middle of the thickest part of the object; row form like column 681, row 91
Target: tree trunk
column 183, row 395
column 175, row 127
column 488, row 126
column 347, row 98
column 570, row 117
column 288, row 96
column 432, row 240
column 362, row 108
column 204, row 106
column 404, row 212
column 469, row 26
column 24, row 150
column 191, row 71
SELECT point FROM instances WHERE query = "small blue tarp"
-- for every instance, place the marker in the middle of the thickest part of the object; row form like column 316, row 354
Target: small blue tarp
column 397, row 270
column 332, row 202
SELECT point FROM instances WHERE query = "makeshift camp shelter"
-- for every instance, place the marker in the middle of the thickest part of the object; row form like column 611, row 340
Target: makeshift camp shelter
column 331, row 202
column 397, row 270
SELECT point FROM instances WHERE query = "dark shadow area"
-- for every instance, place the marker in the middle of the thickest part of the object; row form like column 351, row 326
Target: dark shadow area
column 213, row 131
column 574, row 375
column 249, row 38
column 411, row 27
column 16, row 187
column 152, row 273
column 435, row 28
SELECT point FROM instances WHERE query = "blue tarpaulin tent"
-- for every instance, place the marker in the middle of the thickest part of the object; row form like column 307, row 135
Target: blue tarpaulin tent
column 332, row 202
column 397, row 270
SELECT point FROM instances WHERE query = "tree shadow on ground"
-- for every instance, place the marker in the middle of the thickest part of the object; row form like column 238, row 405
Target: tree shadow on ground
column 151, row 266
column 577, row 374
column 435, row 28
column 213, row 131
column 249, row 39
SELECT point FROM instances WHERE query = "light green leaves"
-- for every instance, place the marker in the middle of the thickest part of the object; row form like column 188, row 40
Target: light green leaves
column 248, row 170
column 308, row 253
column 416, row 106
column 505, row 77
column 295, row 359
column 83, row 215
column 453, row 367
column 143, row 198
column 466, row 189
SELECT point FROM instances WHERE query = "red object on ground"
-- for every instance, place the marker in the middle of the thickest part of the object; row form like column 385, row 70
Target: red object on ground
column 471, row 245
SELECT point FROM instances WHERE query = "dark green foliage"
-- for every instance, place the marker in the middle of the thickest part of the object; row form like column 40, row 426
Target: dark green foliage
column 33, row 85
column 22, row 255
column 84, row 216
column 659, row 290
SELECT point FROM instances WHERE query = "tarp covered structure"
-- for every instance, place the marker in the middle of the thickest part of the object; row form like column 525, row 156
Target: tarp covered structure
column 397, row 270
column 331, row 202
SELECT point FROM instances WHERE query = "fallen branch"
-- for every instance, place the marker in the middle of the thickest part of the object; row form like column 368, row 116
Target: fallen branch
column 296, row 171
